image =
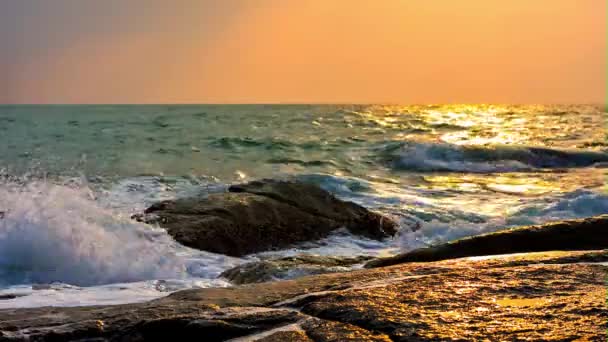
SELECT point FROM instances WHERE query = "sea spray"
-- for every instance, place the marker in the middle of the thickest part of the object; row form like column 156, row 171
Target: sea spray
column 54, row 233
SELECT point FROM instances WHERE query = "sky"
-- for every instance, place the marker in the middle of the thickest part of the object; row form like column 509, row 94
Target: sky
column 303, row 51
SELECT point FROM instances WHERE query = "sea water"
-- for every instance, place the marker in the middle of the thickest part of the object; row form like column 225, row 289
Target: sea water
column 71, row 177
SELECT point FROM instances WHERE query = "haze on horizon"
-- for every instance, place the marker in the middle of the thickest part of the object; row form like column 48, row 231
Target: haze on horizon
column 306, row 51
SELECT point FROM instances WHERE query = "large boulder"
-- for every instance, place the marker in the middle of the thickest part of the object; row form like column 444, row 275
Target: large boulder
column 290, row 268
column 557, row 296
column 263, row 215
column 584, row 234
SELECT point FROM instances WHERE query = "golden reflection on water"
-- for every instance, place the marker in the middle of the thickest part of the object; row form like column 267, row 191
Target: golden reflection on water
column 551, row 126
column 519, row 183
column 563, row 127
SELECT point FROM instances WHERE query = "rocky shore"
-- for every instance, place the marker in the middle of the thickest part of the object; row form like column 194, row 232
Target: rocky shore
column 553, row 290
column 557, row 296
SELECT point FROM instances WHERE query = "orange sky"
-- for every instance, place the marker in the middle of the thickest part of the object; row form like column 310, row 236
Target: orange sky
column 311, row 51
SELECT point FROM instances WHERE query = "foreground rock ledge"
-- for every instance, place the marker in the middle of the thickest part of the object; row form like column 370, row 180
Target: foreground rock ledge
column 263, row 215
column 584, row 234
column 545, row 296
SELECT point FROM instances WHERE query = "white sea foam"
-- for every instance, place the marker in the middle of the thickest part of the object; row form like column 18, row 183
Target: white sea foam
column 577, row 204
column 339, row 243
column 137, row 193
column 59, row 294
column 84, row 253
column 54, row 233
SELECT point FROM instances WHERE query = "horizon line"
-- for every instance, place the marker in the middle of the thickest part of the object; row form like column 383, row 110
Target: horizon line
column 305, row 104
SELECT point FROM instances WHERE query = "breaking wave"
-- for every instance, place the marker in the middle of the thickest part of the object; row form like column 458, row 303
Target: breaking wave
column 576, row 204
column 56, row 233
column 484, row 159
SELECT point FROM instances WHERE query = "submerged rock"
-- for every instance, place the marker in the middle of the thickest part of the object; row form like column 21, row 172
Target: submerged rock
column 543, row 296
column 289, row 268
column 261, row 216
column 584, row 234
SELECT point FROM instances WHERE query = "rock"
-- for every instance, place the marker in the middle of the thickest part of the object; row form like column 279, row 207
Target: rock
column 289, row 268
column 325, row 331
column 506, row 304
column 315, row 330
column 541, row 296
column 41, row 286
column 220, row 325
column 11, row 296
column 162, row 323
column 261, row 216
column 585, row 234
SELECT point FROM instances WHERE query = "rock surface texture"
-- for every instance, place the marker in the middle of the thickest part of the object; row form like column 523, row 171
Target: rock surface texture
column 289, row 267
column 263, row 215
column 555, row 296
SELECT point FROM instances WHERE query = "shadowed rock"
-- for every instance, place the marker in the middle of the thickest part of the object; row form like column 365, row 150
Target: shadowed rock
column 584, row 234
column 289, row 267
column 543, row 296
column 263, row 215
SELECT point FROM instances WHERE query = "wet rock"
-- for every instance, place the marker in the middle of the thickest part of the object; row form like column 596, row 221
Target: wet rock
column 289, row 268
column 283, row 336
column 263, row 215
column 541, row 296
column 151, row 323
column 328, row 331
column 506, row 304
column 317, row 330
column 41, row 287
column 318, row 202
column 584, row 234
column 213, row 328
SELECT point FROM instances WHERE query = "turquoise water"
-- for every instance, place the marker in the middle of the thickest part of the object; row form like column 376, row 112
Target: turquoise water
column 72, row 176
column 221, row 141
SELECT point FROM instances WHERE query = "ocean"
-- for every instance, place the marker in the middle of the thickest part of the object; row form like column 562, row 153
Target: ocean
column 71, row 177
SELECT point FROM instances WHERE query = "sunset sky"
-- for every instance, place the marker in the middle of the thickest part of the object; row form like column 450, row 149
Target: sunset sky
column 302, row 51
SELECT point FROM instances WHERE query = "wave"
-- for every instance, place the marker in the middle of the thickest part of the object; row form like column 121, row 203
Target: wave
column 576, row 204
column 308, row 163
column 279, row 144
column 54, row 233
column 235, row 143
column 484, row 159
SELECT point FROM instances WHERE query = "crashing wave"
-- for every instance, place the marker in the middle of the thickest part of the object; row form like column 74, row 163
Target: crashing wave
column 57, row 233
